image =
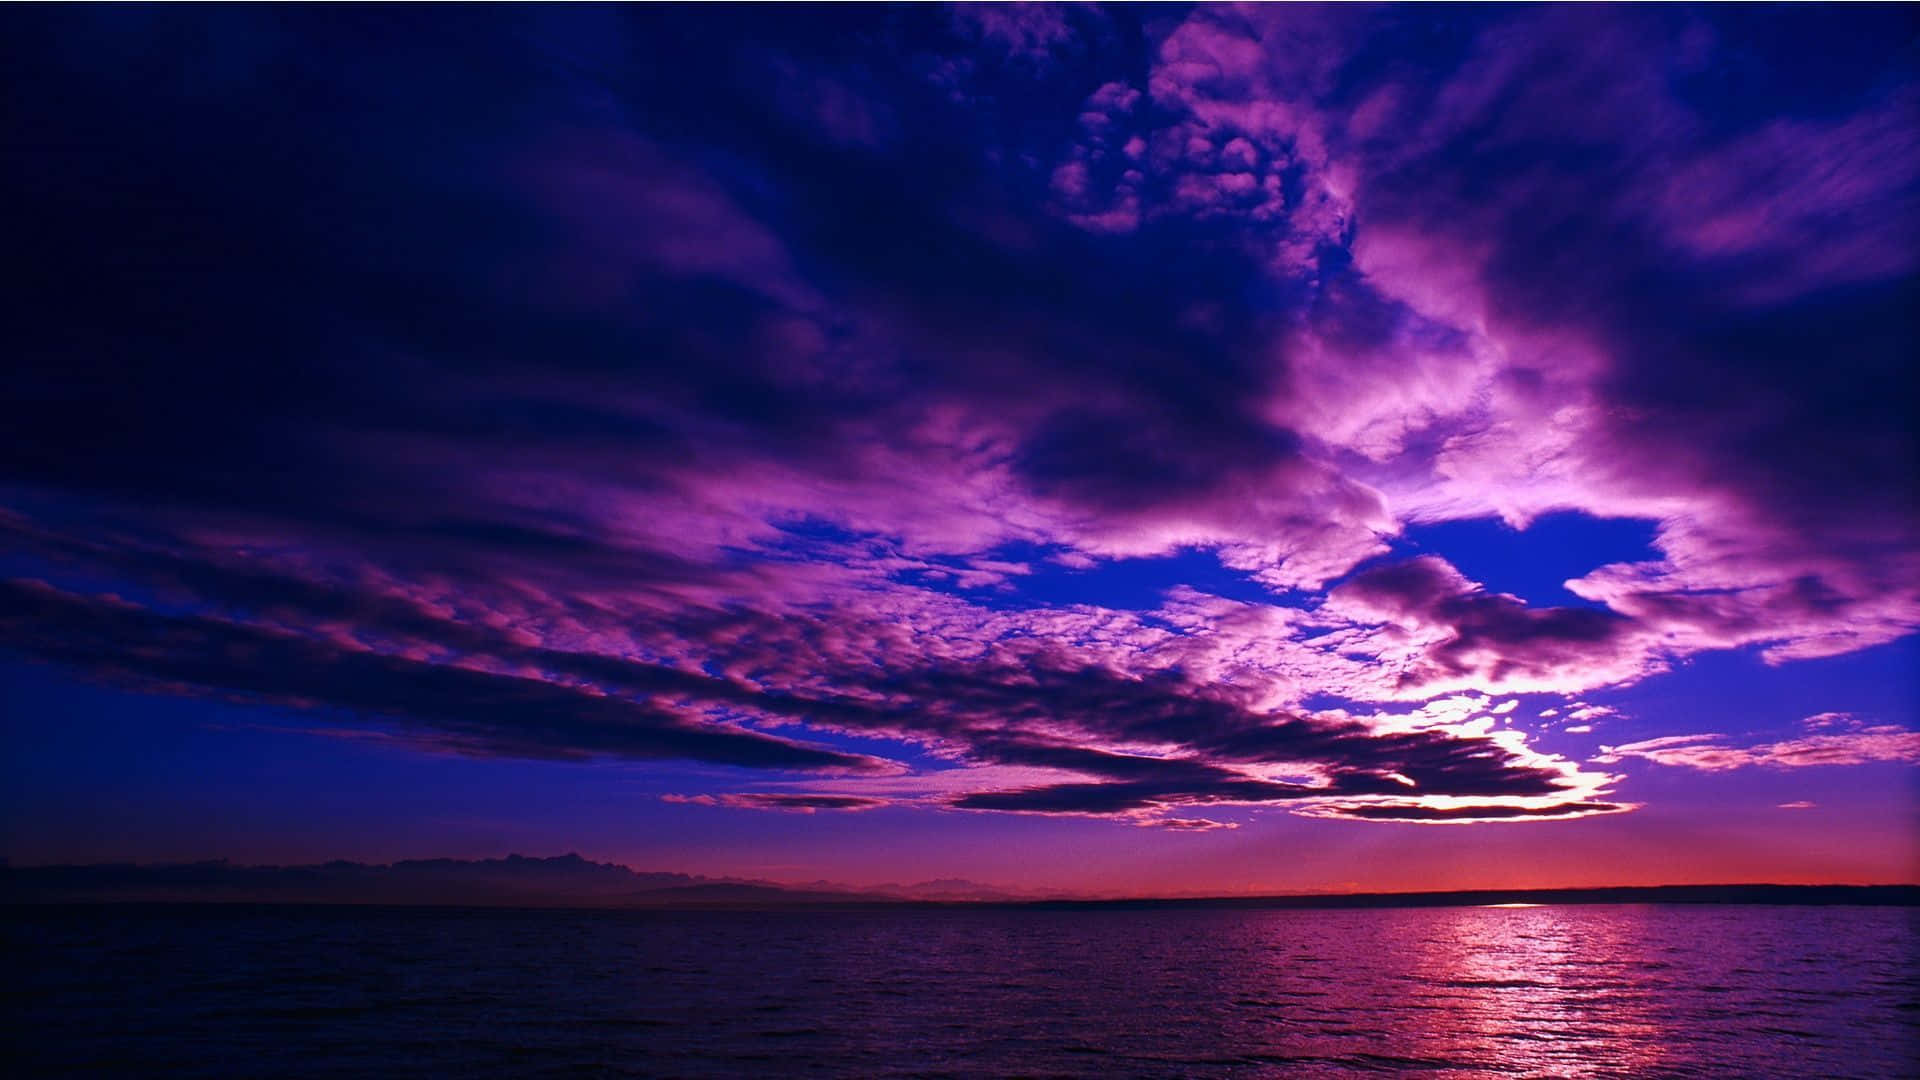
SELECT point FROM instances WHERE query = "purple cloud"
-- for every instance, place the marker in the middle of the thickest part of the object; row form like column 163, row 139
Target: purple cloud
column 732, row 420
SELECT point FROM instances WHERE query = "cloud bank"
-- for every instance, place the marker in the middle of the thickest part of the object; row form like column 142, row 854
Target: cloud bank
column 628, row 386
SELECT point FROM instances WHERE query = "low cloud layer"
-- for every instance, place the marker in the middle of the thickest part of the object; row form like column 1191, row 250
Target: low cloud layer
column 624, row 386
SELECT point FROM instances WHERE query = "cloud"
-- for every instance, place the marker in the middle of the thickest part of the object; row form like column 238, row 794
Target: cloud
column 1613, row 396
column 1463, row 814
column 598, row 402
column 1861, row 744
column 1188, row 824
column 1453, row 634
column 1126, row 743
column 1758, row 210
column 794, row 802
column 461, row 708
column 1029, row 32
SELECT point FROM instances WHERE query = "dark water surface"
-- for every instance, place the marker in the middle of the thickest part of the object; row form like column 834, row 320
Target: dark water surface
column 1628, row 991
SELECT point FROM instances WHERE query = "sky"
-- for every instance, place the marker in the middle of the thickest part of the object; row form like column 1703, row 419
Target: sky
column 1139, row 450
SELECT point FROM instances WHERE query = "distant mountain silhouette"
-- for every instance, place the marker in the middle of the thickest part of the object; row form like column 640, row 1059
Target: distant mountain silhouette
column 517, row 880
column 959, row 889
column 573, row 881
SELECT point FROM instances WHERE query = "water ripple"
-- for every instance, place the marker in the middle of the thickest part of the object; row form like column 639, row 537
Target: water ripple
column 1594, row 992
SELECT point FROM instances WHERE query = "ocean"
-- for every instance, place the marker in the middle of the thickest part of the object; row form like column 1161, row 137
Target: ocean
column 1556, row 991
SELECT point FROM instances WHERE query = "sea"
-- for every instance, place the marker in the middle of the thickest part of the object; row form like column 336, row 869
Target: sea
column 1552, row 991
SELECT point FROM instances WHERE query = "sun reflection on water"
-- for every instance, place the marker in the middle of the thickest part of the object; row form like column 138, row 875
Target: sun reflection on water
column 1557, row 994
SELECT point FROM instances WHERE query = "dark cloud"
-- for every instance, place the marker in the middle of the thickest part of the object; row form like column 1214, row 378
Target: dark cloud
column 1475, row 813
column 460, row 707
column 1492, row 637
column 1361, row 763
column 797, row 802
column 502, row 698
column 810, row 802
column 1118, row 796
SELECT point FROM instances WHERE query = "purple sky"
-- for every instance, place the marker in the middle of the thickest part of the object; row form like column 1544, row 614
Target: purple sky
column 1151, row 449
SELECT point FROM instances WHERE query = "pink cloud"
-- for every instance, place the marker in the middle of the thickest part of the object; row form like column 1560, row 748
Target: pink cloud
column 1860, row 746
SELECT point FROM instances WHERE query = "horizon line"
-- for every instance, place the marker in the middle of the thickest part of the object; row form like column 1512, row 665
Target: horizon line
column 78, row 883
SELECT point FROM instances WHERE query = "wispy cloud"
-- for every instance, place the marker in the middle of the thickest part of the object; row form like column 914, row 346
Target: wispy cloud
column 1838, row 740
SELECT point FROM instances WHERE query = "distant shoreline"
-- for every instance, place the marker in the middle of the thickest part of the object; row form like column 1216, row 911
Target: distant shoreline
column 19, row 888
column 1796, row 895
